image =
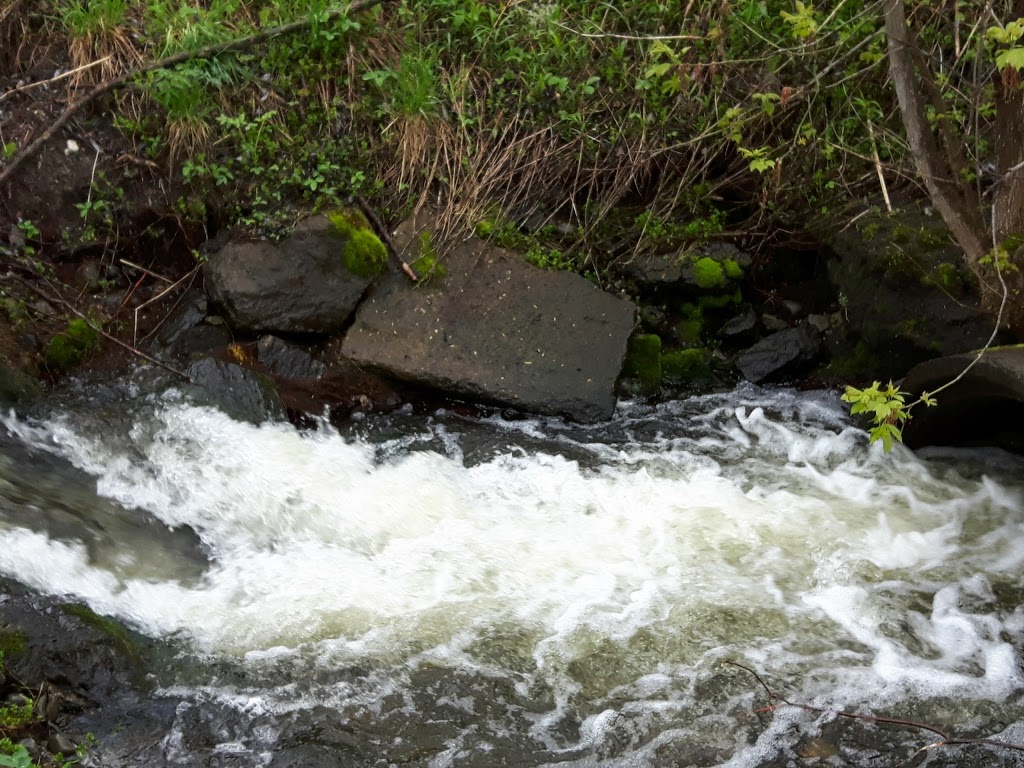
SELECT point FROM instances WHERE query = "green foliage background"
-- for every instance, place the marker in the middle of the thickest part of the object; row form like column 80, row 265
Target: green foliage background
column 646, row 122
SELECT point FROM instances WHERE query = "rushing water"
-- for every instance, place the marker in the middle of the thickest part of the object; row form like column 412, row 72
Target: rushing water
column 445, row 590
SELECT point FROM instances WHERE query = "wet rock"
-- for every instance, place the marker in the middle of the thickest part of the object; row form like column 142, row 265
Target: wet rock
column 188, row 315
column 825, row 323
column 500, row 330
column 100, row 668
column 17, row 387
column 189, row 332
column 773, row 323
column 739, row 326
column 906, row 293
column 240, row 393
column 288, row 361
column 780, row 353
column 985, row 407
column 302, row 284
column 47, row 703
column 59, row 743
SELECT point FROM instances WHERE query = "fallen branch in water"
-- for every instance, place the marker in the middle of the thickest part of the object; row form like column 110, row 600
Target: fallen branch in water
column 945, row 740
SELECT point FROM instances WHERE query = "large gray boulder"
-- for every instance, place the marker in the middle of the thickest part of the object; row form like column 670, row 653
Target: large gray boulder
column 497, row 329
column 984, row 407
column 298, row 285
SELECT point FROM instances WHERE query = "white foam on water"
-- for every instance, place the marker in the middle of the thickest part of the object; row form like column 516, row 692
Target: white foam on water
column 771, row 534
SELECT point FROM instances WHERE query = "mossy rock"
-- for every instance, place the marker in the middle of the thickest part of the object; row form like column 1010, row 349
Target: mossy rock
column 708, row 273
column 643, row 362
column 348, row 220
column 720, row 300
column 427, row 265
column 364, row 253
column 13, row 642
column 16, row 386
column 732, row 269
column 686, row 366
column 108, row 627
column 690, row 329
column 69, row 347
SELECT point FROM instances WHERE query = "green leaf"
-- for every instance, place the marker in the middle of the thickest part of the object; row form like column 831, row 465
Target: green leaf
column 1011, row 58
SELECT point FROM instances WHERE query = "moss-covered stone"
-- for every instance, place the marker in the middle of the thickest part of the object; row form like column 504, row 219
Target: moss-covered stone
column 686, row 365
column 68, row 348
column 732, row 269
column 108, row 627
column 17, row 387
column 643, row 361
column 720, row 300
column 13, row 642
column 365, row 255
column 348, row 220
column 427, row 265
column 691, row 328
column 708, row 273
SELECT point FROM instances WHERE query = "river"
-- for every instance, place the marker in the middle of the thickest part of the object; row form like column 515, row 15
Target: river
column 441, row 589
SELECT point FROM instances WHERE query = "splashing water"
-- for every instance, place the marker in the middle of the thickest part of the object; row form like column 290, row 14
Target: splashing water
column 550, row 591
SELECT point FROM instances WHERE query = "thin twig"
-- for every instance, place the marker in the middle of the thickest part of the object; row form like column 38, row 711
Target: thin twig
column 164, row 292
column 148, row 272
column 945, row 740
column 69, row 73
column 878, row 168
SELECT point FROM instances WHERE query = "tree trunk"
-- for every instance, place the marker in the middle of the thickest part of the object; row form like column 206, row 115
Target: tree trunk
column 940, row 165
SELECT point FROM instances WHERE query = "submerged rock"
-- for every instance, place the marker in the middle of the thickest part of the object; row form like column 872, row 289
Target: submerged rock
column 308, row 283
column 498, row 329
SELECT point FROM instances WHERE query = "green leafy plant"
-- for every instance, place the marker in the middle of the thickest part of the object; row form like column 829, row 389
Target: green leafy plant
column 888, row 409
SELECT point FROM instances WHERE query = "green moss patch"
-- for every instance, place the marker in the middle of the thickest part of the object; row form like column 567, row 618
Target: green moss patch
column 708, row 273
column 108, row 627
column 686, row 365
column 643, row 361
column 365, row 255
column 732, row 269
column 13, row 642
column 68, row 348
column 427, row 265
column 720, row 300
column 348, row 220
